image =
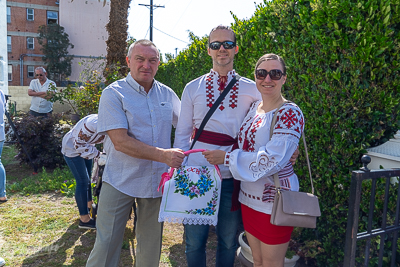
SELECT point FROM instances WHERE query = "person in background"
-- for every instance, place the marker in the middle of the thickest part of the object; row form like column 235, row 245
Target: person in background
column 3, row 197
column 260, row 156
column 38, row 90
column 79, row 150
column 137, row 114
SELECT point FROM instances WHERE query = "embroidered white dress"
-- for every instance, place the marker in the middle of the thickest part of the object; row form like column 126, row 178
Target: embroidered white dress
column 197, row 98
column 257, row 158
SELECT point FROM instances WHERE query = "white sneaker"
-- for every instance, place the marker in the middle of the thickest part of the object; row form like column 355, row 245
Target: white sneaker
column 2, row 262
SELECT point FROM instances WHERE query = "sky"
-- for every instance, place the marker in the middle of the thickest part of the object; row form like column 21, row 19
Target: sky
column 171, row 24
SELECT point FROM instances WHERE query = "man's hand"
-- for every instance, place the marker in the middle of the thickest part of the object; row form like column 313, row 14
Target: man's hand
column 294, row 156
column 173, row 157
column 214, row 157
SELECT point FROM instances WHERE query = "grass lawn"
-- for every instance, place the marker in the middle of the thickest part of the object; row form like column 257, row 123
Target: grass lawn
column 39, row 224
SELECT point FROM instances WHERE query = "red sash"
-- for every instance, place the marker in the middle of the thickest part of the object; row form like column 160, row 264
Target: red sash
column 220, row 139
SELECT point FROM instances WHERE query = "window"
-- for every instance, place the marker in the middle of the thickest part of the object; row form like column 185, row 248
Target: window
column 10, row 72
column 30, row 14
column 52, row 17
column 8, row 14
column 31, row 71
column 30, row 42
column 8, row 44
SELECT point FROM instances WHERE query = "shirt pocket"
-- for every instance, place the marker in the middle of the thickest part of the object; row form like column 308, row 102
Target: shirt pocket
column 166, row 112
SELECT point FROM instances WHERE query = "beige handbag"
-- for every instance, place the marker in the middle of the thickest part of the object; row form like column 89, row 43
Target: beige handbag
column 293, row 208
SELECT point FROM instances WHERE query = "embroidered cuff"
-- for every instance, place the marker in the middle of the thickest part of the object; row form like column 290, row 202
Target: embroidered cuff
column 227, row 157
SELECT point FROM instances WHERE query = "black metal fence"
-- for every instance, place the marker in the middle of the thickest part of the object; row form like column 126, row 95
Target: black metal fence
column 377, row 242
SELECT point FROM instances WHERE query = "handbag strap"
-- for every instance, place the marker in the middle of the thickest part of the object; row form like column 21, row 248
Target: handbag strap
column 271, row 130
column 213, row 108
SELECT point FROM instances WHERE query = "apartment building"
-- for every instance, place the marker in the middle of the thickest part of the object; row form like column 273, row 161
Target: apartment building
column 84, row 21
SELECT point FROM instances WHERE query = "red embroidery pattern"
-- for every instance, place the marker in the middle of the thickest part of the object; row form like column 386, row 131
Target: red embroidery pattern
column 270, row 190
column 209, row 90
column 234, row 96
column 221, row 82
column 289, row 119
column 250, row 134
column 242, row 135
column 250, row 196
column 227, row 157
column 221, row 86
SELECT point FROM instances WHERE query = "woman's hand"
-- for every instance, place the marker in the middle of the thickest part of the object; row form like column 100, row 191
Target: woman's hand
column 214, row 157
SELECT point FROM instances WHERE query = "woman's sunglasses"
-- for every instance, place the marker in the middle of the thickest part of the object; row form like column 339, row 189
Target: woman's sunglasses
column 276, row 75
column 226, row 44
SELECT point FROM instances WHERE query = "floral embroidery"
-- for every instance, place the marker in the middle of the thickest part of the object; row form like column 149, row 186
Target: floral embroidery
column 186, row 187
column 211, row 206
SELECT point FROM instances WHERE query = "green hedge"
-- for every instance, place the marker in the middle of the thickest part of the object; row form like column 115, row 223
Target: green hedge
column 343, row 71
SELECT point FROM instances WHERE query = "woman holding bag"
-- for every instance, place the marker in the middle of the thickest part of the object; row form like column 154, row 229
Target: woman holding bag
column 260, row 156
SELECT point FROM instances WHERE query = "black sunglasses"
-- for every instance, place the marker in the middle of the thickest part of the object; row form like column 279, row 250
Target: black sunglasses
column 39, row 74
column 226, row 44
column 276, row 75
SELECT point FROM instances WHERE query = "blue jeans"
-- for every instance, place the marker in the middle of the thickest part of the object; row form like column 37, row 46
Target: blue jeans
column 2, row 174
column 81, row 169
column 228, row 223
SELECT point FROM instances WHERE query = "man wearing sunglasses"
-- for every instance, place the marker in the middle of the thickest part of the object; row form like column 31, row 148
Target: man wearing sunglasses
column 197, row 98
column 38, row 90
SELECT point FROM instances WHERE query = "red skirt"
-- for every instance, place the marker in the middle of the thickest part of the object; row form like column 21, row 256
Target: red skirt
column 258, row 224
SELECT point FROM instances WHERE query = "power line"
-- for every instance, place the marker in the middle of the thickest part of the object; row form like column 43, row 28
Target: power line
column 151, row 16
column 170, row 35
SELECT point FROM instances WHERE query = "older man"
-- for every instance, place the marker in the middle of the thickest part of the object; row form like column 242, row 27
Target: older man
column 38, row 90
column 137, row 114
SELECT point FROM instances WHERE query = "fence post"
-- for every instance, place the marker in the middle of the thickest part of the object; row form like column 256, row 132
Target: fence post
column 353, row 215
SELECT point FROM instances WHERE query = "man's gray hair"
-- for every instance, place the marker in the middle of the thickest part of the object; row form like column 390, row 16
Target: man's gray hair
column 40, row 68
column 143, row 42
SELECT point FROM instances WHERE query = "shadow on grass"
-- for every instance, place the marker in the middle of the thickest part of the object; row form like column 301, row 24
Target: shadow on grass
column 72, row 249
column 177, row 255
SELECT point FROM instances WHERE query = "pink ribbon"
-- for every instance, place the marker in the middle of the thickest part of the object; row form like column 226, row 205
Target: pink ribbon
column 166, row 176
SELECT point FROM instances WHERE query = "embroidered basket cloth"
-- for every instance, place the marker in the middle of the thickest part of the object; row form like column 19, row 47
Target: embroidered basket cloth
column 191, row 194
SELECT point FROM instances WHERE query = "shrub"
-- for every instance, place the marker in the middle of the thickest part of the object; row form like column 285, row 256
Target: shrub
column 343, row 67
column 42, row 138
column 84, row 99
column 43, row 182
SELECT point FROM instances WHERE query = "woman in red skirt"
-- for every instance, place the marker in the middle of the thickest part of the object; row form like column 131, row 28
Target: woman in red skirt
column 260, row 156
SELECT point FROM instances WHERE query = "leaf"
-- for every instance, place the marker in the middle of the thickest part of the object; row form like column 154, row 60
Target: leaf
column 386, row 20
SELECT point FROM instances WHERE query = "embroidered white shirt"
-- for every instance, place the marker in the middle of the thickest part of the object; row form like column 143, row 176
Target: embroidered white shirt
column 80, row 141
column 197, row 98
column 258, row 157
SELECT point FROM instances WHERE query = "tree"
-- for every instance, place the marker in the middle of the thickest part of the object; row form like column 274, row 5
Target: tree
column 55, row 44
column 117, row 28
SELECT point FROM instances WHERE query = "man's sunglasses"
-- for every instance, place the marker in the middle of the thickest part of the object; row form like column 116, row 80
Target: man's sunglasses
column 276, row 75
column 39, row 75
column 226, row 44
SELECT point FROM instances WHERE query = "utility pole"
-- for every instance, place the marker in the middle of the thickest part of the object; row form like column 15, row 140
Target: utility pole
column 176, row 52
column 151, row 17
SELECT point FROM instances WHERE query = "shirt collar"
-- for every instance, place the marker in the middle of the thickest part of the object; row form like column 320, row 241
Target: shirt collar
column 230, row 74
column 135, row 85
